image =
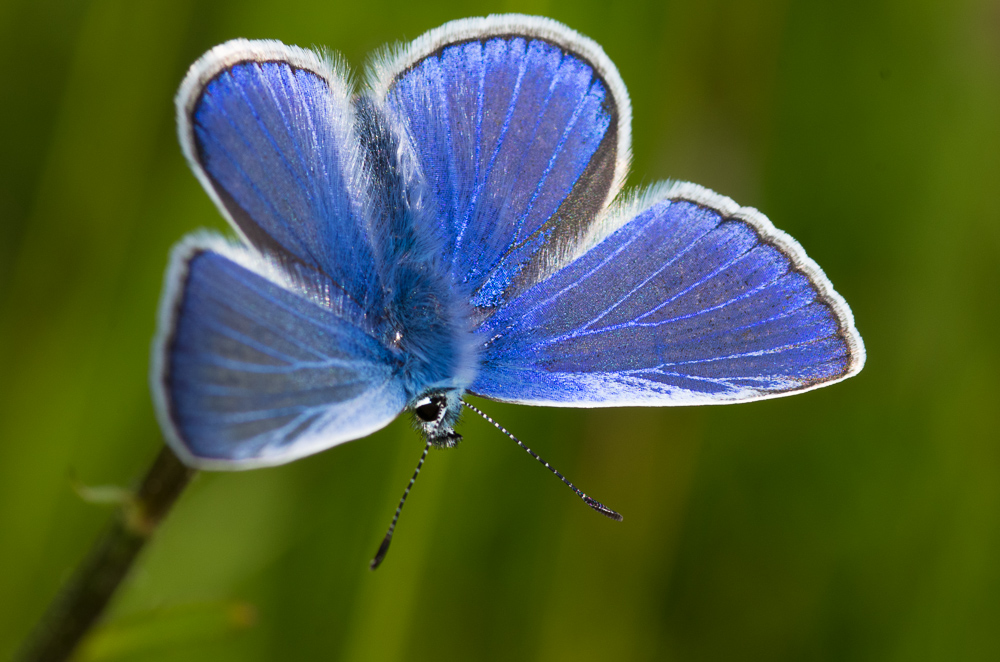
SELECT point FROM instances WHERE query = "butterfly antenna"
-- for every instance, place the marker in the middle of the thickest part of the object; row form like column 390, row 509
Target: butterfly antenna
column 384, row 547
column 590, row 501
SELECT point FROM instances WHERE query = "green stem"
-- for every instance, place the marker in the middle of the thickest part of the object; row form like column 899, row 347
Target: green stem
column 83, row 599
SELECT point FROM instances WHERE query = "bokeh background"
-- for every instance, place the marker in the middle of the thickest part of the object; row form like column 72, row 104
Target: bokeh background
column 858, row 522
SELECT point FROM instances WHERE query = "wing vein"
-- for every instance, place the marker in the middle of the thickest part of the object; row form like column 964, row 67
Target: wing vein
column 283, row 158
column 496, row 150
column 563, row 139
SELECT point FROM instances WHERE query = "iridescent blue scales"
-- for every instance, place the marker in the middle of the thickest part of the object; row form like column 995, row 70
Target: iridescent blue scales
column 457, row 226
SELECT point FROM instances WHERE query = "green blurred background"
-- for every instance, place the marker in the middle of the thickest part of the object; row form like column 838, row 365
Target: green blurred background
column 858, row 522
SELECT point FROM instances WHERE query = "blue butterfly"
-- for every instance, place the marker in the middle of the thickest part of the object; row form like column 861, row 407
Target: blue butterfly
column 458, row 227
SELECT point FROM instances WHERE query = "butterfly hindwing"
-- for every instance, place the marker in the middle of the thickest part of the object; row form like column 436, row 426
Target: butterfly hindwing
column 692, row 301
column 520, row 129
column 270, row 131
column 254, row 367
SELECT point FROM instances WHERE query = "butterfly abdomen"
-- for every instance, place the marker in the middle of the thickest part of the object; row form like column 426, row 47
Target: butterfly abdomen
column 424, row 322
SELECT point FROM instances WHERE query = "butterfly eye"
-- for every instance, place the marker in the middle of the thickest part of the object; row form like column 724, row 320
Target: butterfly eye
column 428, row 411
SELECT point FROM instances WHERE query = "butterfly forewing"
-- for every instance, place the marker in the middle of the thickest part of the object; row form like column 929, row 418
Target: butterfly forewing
column 692, row 301
column 258, row 369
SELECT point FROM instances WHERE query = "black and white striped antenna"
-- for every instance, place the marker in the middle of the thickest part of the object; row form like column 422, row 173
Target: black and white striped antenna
column 384, row 547
column 590, row 501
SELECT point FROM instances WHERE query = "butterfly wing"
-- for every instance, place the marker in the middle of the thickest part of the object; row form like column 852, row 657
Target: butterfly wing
column 254, row 366
column 269, row 130
column 692, row 300
column 520, row 128
column 269, row 353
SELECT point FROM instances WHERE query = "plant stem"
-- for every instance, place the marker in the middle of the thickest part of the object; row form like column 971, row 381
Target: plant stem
column 82, row 600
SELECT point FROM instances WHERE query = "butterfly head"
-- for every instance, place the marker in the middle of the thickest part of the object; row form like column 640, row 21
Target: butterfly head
column 435, row 415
